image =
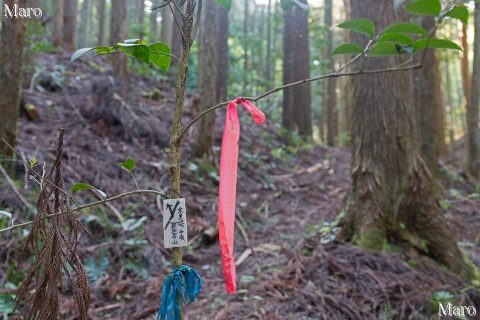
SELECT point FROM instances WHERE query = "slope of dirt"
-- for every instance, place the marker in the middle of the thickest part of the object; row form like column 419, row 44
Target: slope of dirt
column 288, row 201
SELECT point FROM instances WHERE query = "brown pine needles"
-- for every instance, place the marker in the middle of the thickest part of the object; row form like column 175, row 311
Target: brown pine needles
column 53, row 241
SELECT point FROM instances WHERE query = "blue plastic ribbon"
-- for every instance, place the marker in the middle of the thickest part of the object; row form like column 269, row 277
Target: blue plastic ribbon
column 183, row 282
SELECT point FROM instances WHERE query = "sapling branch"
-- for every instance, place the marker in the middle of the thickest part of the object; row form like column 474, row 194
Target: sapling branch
column 94, row 204
column 134, row 180
column 296, row 83
column 406, row 65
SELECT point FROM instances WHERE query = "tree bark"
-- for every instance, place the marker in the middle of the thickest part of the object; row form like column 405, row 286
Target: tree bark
column 12, row 42
column 473, row 129
column 296, row 113
column 101, row 23
column 176, row 34
column 465, row 69
column 390, row 200
column 222, row 54
column 141, row 18
column 268, row 73
column 428, row 104
column 69, row 24
column 245, row 44
column 154, row 27
column 347, row 81
column 331, row 99
column 118, row 32
column 85, row 25
column 208, row 60
column 441, row 139
column 176, row 38
column 167, row 26
column 58, row 24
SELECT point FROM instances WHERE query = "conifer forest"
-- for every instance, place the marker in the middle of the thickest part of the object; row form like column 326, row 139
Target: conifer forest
column 239, row 159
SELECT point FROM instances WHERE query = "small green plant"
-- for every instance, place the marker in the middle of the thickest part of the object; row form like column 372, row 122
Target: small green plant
column 443, row 297
column 96, row 268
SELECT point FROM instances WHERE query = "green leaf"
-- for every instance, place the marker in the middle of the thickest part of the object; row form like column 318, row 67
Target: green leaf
column 396, row 38
column 460, row 13
column 7, row 214
column 139, row 51
column 420, row 44
column 104, row 50
column 412, row 28
column 81, row 186
column 32, row 162
column 160, row 55
column 132, row 224
column 348, row 48
column 224, row 3
column 383, row 49
column 132, row 41
column 95, row 270
column 424, row 7
column 80, row 52
column 364, row 26
column 7, row 304
column 128, row 164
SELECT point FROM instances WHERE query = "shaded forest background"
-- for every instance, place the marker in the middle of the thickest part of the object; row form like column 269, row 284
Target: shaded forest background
column 359, row 199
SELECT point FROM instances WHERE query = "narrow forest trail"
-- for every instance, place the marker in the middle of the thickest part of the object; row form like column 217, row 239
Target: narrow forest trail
column 287, row 200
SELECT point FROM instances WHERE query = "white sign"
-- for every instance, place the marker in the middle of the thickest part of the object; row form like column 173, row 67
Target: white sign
column 174, row 223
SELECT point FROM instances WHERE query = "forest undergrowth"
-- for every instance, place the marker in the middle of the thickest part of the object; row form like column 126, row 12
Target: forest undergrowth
column 290, row 196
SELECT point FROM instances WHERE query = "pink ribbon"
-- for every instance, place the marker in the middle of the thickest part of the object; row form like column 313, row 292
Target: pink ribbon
column 228, row 186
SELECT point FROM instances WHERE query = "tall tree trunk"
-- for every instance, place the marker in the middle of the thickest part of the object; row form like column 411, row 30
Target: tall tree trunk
column 86, row 22
column 347, row 82
column 12, row 41
column 465, row 69
column 69, row 24
column 260, row 65
column 207, row 78
column 154, row 26
column 276, row 32
column 296, row 113
column 101, row 23
column 176, row 34
column 167, row 26
column 268, row 72
column 427, row 104
column 176, row 39
column 222, row 50
column 141, row 18
column 442, row 144
column 245, row 44
column 58, row 24
column 390, row 199
column 332, row 125
column 118, row 32
column 473, row 129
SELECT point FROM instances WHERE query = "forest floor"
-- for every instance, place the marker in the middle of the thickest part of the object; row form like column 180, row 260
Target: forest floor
column 288, row 205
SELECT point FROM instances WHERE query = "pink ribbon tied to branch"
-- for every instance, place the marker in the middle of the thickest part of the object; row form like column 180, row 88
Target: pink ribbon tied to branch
column 228, row 186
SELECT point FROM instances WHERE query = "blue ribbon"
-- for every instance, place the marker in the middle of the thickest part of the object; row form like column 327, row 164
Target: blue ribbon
column 183, row 282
